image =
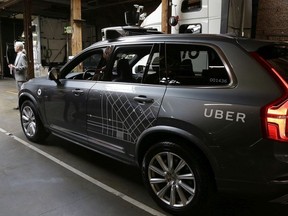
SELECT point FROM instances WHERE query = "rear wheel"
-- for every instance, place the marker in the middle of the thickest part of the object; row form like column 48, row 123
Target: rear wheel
column 177, row 179
column 31, row 123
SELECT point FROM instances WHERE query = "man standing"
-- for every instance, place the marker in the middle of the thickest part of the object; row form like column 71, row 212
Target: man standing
column 19, row 68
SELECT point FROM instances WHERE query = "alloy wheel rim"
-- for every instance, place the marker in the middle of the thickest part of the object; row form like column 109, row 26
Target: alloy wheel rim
column 28, row 121
column 171, row 179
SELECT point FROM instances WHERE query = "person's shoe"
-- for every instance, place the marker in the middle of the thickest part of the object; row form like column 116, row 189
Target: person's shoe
column 16, row 108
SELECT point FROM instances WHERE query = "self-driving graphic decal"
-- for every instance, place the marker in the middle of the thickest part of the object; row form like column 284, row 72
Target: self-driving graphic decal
column 122, row 117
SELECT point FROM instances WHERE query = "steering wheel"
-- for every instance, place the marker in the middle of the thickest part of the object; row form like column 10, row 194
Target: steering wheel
column 86, row 74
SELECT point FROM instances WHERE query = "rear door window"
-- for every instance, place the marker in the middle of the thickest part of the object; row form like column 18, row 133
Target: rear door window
column 194, row 65
column 129, row 63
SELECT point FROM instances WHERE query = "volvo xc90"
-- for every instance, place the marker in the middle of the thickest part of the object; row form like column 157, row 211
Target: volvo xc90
column 197, row 113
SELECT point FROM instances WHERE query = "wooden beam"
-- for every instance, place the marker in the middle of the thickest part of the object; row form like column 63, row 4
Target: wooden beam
column 166, row 13
column 76, row 23
column 28, row 38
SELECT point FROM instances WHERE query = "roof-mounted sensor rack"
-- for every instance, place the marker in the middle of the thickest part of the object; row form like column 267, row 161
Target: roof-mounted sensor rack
column 132, row 19
column 111, row 33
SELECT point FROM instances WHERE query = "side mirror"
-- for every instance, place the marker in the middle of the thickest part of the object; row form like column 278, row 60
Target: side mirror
column 54, row 74
column 173, row 20
column 140, row 69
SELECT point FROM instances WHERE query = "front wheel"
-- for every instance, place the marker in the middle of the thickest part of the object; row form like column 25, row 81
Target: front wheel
column 31, row 123
column 177, row 179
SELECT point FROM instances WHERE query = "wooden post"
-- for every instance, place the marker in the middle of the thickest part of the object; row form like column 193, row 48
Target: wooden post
column 166, row 13
column 28, row 38
column 76, row 23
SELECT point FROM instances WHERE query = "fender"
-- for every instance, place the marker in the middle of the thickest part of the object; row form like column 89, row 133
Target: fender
column 195, row 140
column 23, row 95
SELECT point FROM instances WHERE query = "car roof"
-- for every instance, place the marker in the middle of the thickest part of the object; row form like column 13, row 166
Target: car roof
column 253, row 45
column 246, row 43
column 166, row 37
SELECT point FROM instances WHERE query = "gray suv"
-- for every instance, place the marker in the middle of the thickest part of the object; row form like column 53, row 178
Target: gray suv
column 197, row 113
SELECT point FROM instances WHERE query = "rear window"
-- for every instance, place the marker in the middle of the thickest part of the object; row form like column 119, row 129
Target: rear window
column 277, row 56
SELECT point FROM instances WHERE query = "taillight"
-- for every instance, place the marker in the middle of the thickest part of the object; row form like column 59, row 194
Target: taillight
column 275, row 114
column 276, row 121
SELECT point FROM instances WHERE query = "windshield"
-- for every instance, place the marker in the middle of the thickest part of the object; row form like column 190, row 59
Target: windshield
column 277, row 56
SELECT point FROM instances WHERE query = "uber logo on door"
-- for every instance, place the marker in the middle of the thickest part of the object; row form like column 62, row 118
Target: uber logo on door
column 225, row 115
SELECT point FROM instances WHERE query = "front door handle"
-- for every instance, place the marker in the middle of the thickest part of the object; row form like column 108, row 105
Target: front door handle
column 143, row 99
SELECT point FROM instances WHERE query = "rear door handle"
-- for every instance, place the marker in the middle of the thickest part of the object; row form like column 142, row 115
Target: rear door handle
column 77, row 92
column 143, row 99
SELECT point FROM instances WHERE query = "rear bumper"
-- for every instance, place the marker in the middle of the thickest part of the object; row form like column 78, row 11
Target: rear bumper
column 275, row 191
column 261, row 173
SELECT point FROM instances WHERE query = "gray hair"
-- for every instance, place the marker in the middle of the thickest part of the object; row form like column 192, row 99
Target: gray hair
column 19, row 44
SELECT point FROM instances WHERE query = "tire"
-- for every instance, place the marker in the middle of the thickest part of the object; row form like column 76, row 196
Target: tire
column 178, row 179
column 31, row 124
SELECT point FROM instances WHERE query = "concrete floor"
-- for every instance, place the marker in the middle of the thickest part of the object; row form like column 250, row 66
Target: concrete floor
column 65, row 183
column 33, row 185
column 58, row 178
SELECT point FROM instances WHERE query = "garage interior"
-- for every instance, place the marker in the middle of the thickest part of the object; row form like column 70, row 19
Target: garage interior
column 88, row 17
column 54, row 20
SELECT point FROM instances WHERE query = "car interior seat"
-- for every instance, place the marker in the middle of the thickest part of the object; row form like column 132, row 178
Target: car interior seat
column 186, row 67
column 124, row 71
column 153, row 74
